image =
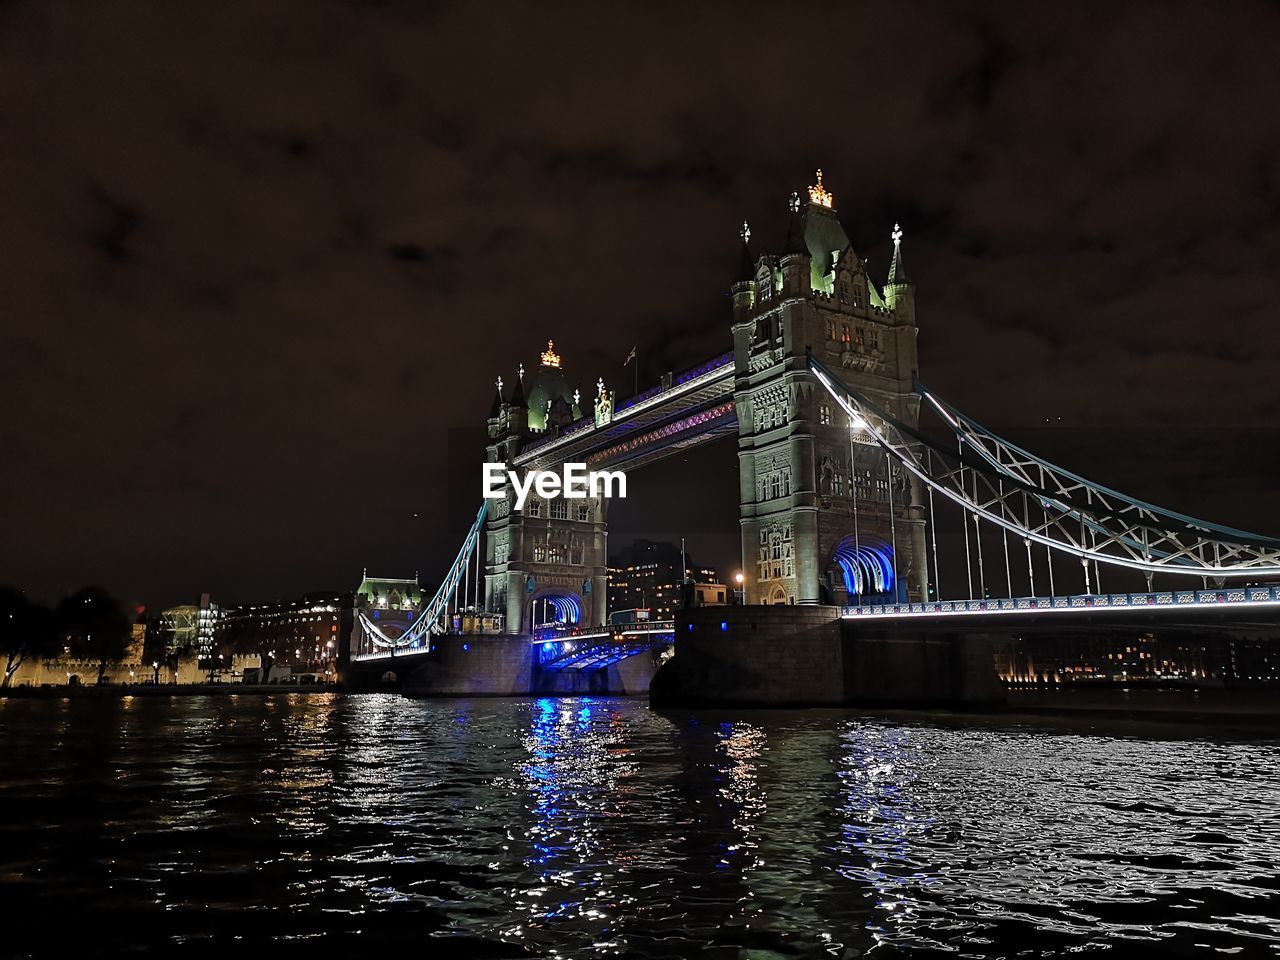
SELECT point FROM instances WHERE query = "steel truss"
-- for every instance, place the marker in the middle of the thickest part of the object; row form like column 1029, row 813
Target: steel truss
column 1011, row 488
column 432, row 619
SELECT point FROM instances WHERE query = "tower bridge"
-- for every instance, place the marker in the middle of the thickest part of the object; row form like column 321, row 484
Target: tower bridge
column 843, row 500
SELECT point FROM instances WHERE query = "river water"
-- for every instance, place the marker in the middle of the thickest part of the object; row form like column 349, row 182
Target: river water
column 285, row 824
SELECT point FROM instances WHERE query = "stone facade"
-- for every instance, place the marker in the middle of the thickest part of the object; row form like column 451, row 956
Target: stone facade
column 548, row 560
column 811, row 486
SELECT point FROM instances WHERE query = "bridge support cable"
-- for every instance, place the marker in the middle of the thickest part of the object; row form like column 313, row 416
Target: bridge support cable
column 1003, row 485
column 893, row 534
column 1031, row 568
column 1004, row 536
column 434, row 616
column 933, row 532
column 982, row 573
column 1138, row 533
column 964, row 523
column 857, row 541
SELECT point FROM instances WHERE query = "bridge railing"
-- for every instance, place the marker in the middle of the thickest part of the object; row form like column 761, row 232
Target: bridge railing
column 693, row 377
column 1255, row 596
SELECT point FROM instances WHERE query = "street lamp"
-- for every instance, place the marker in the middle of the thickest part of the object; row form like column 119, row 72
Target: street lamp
column 742, row 591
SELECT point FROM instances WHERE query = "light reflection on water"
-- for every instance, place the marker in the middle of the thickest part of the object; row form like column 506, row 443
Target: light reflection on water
column 598, row 827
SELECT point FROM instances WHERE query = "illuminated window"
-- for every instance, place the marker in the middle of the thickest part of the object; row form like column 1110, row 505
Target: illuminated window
column 824, row 415
column 539, row 553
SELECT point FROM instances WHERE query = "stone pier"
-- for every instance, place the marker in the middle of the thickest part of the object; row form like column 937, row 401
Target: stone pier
column 505, row 666
column 806, row 656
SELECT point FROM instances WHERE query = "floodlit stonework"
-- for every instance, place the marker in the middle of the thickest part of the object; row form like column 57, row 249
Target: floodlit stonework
column 817, row 498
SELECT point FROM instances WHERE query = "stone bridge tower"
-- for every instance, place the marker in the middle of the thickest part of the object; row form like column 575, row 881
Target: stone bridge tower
column 824, row 517
column 547, row 562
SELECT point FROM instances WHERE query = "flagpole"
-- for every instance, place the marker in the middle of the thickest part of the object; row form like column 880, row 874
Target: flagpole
column 631, row 357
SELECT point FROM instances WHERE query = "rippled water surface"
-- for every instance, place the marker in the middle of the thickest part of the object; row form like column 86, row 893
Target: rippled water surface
column 281, row 825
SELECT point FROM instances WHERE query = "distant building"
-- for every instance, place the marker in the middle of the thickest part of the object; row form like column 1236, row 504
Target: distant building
column 207, row 617
column 392, row 605
column 182, row 652
column 1146, row 658
column 648, row 576
column 1253, row 661
column 287, row 637
column 710, row 595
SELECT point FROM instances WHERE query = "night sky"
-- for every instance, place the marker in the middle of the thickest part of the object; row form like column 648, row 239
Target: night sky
column 263, row 260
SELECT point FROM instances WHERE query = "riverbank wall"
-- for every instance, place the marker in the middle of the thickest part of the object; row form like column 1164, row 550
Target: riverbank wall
column 806, row 656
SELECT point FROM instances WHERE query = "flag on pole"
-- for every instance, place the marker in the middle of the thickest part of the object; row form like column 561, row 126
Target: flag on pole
column 630, row 356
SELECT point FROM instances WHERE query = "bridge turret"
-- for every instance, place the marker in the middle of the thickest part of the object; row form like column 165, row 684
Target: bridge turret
column 517, row 407
column 795, row 261
column 816, row 497
column 494, row 422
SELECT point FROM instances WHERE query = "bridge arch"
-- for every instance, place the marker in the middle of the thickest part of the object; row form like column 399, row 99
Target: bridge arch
column 866, row 569
column 555, row 608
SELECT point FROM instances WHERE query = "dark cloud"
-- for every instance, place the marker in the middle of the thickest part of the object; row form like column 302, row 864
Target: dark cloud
column 260, row 257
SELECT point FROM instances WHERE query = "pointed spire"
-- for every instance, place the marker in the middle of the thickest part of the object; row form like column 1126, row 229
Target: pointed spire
column 898, row 268
column 517, row 394
column 795, row 228
column 495, row 410
column 746, row 262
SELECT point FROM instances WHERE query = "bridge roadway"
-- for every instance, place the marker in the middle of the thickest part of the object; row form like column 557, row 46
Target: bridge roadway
column 1251, row 608
column 687, row 409
column 594, row 648
column 557, row 648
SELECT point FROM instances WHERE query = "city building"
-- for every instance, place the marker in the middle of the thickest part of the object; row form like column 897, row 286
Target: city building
column 1145, row 659
column 647, row 576
column 283, row 639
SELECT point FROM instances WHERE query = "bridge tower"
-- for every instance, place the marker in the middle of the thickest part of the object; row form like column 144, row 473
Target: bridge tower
column 547, row 562
column 825, row 517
